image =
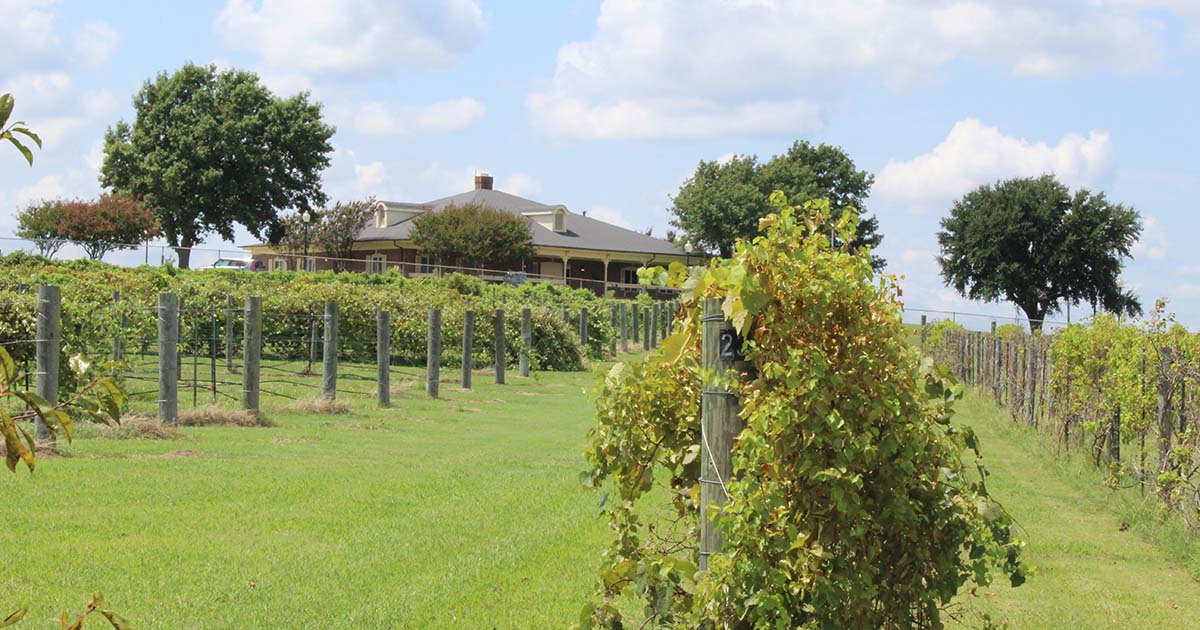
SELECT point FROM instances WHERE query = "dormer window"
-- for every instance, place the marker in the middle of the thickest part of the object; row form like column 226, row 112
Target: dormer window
column 560, row 220
column 380, row 215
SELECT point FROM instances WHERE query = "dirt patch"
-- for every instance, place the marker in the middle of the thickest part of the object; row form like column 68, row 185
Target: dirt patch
column 319, row 405
column 528, row 394
column 44, row 450
column 471, row 409
column 169, row 455
column 220, row 416
column 419, row 419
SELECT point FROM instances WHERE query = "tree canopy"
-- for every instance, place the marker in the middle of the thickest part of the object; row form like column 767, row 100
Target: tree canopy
column 113, row 221
column 41, row 222
column 209, row 149
column 473, row 235
column 723, row 200
column 1032, row 242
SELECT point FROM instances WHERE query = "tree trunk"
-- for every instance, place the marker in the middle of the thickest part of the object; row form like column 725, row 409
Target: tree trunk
column 183, row 251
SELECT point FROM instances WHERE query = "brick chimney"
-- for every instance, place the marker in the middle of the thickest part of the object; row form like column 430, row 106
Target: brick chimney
column 483, row 181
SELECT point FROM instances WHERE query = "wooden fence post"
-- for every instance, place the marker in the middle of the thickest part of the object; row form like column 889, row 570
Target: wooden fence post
column 383, row 357
column 433, row 351
column 329, row 359
column 624, row 328
column 468, row 348
column 117, row 341
column 168, row 358
column 654, row 310
column 583, row 328
column 719, row 424
column 252, row 353
column 645, row 330
column 526, row 340
column 500, row 347
column 48, row 349
column 637, row 316
column 612, row 341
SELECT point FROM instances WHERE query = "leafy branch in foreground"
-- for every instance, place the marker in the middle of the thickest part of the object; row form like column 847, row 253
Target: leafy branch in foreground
column 17, row 128
column 99, row 398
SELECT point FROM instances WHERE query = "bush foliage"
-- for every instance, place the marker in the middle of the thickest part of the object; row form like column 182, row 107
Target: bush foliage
column 855, row 502
column 292, row 303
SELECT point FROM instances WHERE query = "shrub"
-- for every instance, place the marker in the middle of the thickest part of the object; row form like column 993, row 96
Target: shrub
column 851, row 505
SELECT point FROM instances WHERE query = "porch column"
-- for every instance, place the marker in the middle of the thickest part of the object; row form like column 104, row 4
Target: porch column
column 566, row 259
column 606, row 261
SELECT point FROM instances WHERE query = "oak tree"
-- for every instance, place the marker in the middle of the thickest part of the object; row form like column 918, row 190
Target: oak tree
column 1032, row 242
column 209, row 149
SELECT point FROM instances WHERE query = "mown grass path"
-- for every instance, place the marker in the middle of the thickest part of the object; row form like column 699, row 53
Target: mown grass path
column 1091, row 572
column 460, row 512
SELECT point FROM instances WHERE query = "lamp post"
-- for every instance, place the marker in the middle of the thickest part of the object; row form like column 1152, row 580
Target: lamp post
column 306, row 218
column 687, row 250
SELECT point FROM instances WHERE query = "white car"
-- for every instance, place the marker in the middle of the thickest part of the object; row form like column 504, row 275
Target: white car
column 229, row 264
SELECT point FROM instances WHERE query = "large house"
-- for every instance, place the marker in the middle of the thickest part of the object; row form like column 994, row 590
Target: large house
column 569, row 248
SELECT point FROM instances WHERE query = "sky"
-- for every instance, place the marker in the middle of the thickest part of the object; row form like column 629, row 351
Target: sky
column 607, row 107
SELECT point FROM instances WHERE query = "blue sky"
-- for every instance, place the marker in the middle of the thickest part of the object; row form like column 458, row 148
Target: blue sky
column 608, row 106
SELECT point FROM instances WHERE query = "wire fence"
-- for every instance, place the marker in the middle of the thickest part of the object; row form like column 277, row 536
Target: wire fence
column 294, row 354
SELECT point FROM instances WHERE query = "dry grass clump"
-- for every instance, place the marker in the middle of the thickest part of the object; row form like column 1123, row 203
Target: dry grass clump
column 213, row 415
column 132, row 427
column 319, row 405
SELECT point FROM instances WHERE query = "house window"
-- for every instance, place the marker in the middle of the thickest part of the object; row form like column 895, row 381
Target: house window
column 279, row 263
column 380, row 216
column 629, row 275
column 559, row 222
column 425, row 264
column 306, row 264
column 378, row 263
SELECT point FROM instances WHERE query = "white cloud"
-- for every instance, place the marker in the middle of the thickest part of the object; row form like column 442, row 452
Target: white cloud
column 521, row 185
column 703, row 68
column 917, row 262
column 94, row 158
column 28, row 32
column 973, row 154
column 95, row 43
column 378, row 119
column 352, row 36
column 55, row 131
column 37, row 90
column 610, row 215
column 1153, row 243
column 369, row 177
column 99, row 104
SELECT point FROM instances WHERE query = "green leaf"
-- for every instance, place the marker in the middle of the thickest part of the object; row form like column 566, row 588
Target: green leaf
column 8, row 368
column 16, row 616
column 29, row 134
column 22, row 148
column 6, row 107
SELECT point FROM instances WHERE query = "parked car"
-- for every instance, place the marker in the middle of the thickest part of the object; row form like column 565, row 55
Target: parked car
column 229, row 264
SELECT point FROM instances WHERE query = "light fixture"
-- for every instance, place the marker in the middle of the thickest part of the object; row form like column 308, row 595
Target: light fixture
column 306, row 217
column 687, row 247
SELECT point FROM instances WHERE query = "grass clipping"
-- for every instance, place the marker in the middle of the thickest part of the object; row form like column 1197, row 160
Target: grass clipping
column 213, row 415
column 132, row 427
column 319, row 405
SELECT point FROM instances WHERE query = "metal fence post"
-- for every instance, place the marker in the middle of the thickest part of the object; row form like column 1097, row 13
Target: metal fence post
column 48, row 347
column 468, row 348
column 251, row 352
column 612, row 340
column 168, row 358
column 719, row 424
column 329, row 363
column 500, row 348
column 526, row 340
column 383, row 357
column 433, row 351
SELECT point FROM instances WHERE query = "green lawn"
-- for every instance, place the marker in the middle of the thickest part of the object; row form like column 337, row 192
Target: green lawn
column 1092, row 570
column 464, row 511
